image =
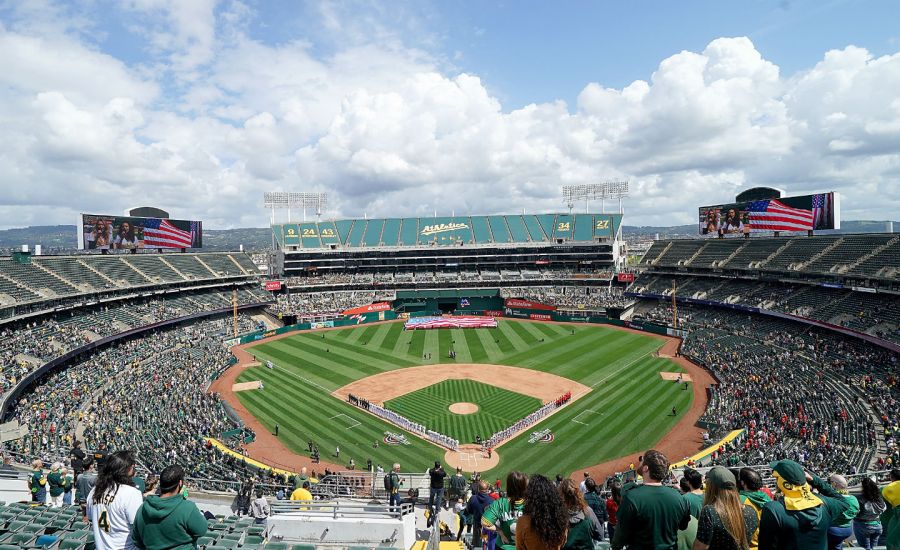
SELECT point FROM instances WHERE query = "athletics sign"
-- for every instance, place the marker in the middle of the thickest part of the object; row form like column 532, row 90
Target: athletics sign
column 392, row 438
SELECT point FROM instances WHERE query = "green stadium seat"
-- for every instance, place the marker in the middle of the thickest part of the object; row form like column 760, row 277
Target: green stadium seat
column 233, row 536
column 80, row 534
column 22, row 540
column 303, row 547
column 252, row 539
column 8, row 547
column 226, row 543
column 277, row 546
column 34, row 529
column 203, row 542
column 69, row 544
column 251, row 547
column 217, row 526
column 256, row 530
column 58, row 525
column 16, row 525
column 359, row 548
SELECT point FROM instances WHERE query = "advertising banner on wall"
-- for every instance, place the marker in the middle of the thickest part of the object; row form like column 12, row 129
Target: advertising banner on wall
column 273, row 285
column 370, row 308
column 515, row 303
column 802, row 213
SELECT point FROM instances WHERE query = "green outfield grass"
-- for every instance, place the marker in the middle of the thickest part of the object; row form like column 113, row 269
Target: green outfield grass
column 627, row 411
column 498, row 408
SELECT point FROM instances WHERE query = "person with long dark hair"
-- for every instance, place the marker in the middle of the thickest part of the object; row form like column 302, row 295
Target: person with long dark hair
column 114, row 502
column 583, row 526
column 612, row 506
column 724, row 523
column 867, row 523
column 500, row 517
column 544, row 523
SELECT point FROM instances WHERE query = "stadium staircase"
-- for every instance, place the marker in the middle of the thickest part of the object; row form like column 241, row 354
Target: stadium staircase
column 655, row 259
column 97, row 272
column 139, row 270
column 731, row 256
column 695, row 254
column 175, row 269
column 770, row 257
column 875, row 252
column 803, row 265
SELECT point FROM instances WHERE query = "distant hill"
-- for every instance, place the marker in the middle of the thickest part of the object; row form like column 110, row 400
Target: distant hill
column 59, row 239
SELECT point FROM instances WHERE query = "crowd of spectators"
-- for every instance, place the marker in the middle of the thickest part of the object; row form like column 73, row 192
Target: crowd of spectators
column 329, row 279
column 26, row 345
column 826, row 400
column 147, row 394
column 570, row 297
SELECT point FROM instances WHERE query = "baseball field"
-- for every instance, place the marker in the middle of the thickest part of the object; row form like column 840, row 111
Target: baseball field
column 623, row 407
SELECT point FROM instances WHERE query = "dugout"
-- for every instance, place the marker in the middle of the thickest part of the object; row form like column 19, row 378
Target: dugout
column 458, row 301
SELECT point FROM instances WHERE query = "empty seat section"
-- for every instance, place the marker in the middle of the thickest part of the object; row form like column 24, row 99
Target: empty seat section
column 390, row 235
column 245, row 261
column 517, row 229
column 153, row 267
column 715, row 250
column 881, row 263
column 357, row 232
column 221, row 264
column 328, row 234
column 849, row 250
column 653, row 253
column 309, row 235
column 584, row 227
column 117, row 270
column 15, row 291
column 534, row 228
column 680, row 251
column 755, row 250
column 409, row 231
column 800, row 250
column 75, row 272
column 35, row 278
column 343, row 229
column 189, row 266
column 499, row 229
column 481, row 229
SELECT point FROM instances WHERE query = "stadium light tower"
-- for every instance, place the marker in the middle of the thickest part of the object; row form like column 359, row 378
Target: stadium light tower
column 283, row 200
column 617, row 189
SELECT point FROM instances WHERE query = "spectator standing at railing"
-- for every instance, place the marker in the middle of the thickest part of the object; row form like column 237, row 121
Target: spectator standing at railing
column 259, row 509
column 841, row 529
column 867, row 521
column 436, row 491
column 37, row 483
column 76, row 458
column 890, row 519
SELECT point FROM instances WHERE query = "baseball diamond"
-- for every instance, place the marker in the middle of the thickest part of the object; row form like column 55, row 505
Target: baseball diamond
column 628, row 401
column 498, row 408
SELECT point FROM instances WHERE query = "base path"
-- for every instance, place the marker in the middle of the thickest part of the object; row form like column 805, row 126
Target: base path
column 385, row 386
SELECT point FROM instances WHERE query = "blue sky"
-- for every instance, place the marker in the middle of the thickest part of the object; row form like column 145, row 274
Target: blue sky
column 401, row 108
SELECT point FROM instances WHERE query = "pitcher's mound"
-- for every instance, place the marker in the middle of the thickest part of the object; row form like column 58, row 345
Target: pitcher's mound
column 463, row 408
column 471, row 459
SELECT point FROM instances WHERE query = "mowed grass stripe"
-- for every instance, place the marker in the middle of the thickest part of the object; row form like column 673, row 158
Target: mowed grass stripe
column 515, row 341
column 458, row 341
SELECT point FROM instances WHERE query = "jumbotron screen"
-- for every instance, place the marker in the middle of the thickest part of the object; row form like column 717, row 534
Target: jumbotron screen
column 102, row 232
column 801, row 213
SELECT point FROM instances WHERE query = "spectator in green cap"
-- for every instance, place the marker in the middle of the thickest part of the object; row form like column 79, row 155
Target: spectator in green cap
column 799, row 519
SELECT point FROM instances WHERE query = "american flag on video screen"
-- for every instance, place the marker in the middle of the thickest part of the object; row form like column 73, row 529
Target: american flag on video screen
column 162, row 234
column 450, row 322
column 773, row 215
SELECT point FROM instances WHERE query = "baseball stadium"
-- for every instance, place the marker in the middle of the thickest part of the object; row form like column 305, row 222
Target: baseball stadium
column 380, row 367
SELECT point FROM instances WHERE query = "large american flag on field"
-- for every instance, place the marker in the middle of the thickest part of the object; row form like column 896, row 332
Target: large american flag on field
column 450, row 322
column 162, row 234
column 774, row 215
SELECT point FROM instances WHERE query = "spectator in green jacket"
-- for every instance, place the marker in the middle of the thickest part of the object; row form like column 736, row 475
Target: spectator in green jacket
column 169, row 521
column 841, row 529
column 799, row 519
column 55, row 485
column 37, row 483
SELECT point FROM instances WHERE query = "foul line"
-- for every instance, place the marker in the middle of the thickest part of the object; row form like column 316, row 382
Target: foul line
column 358, row 423
column 308, row 381
column 581, row 413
